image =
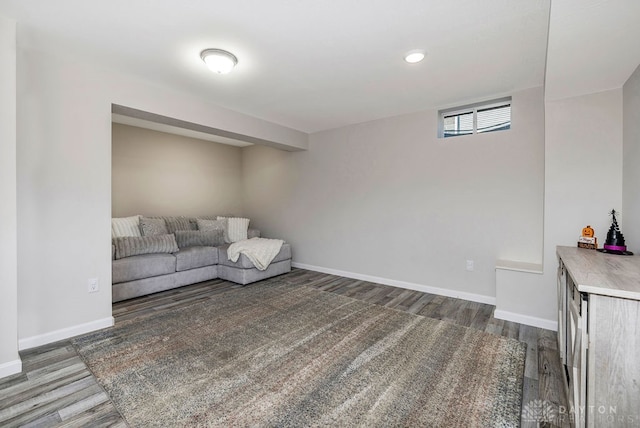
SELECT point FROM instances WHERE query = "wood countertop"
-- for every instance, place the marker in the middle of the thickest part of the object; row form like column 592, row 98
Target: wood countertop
column 605, row 274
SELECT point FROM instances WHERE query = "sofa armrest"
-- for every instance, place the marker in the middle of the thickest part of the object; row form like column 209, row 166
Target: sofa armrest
column 253, row 233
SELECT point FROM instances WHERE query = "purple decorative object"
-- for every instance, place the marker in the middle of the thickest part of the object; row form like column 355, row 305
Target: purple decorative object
column 615, row 241
column 614, row 247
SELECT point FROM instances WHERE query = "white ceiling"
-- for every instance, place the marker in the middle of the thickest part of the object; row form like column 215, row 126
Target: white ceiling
column 307, row 64
column 594, row 46
column 314, row 65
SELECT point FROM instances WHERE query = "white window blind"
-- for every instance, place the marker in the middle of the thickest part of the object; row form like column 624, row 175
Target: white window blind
column 494, row 118
column 475, row 119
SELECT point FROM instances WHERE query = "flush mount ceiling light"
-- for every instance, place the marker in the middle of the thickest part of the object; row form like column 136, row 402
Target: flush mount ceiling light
column 414, row 56
column 218, row 60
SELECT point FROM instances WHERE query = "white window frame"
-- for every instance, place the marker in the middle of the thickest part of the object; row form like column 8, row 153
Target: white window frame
column 470, row 108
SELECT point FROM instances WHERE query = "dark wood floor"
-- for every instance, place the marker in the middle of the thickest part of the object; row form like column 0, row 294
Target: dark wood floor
column 56, row 388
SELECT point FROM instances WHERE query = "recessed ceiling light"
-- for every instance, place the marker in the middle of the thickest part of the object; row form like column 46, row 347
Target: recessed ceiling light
column 414, row 56
column 218, row 60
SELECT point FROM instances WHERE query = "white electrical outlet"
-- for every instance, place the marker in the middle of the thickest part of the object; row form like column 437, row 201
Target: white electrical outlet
column 93, row 285
column 469, row 265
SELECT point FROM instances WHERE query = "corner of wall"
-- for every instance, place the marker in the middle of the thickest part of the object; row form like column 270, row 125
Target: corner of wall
column 9, row 358
column 631, row 159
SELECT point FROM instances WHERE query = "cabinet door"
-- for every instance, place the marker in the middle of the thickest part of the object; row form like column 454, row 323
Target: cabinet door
column 614, row 365
column 562, row 311
column 577, row 343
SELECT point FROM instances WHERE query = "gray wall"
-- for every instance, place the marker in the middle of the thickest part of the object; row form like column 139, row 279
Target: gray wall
column 9, row 359
column 583, row 179
column 583, row 182
column 631, row 162
column 154, row 173
column 391, row 200
column 64, row 181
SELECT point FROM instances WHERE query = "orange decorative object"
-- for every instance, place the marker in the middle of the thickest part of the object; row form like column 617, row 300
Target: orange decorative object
column 588, row 232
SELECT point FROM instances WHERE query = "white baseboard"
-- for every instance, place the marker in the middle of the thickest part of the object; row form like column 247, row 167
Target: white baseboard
column 10, row 368
column 65, row 333
column 526, row 319
column 402, row 284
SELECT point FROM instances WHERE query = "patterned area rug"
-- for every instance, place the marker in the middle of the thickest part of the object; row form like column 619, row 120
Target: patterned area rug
column 274, row 354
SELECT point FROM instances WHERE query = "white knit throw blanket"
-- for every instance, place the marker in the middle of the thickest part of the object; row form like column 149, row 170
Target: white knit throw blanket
column 260, row 251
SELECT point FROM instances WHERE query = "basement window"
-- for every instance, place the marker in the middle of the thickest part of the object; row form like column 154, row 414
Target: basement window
column 478, row 118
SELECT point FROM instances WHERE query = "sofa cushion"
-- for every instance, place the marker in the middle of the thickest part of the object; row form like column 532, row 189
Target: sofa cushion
column 125, row 226
column 244, row 263
column 127, row 246
column 144, row 266
column 195, row 257
column 144, row 286
column 247, row 276
column 153, row 226
column 198, row 238
column 179, row 223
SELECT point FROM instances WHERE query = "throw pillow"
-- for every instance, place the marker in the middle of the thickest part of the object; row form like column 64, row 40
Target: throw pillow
column 179, row 223
column 208, row 217
column 153, row 226
column 125, row 226
column 199, row 238
column 236, row 229
column 209, row 225
column 225, row 223
column 127, row 246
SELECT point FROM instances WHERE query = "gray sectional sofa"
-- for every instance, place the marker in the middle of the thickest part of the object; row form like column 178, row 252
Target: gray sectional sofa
column 144, row 274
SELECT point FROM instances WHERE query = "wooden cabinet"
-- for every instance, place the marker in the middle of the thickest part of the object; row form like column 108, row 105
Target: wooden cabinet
column 599, row 336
